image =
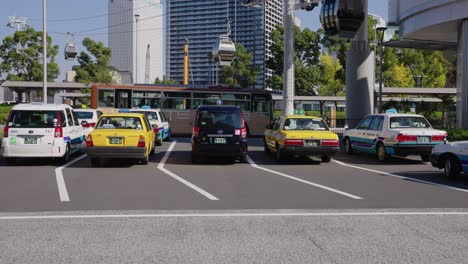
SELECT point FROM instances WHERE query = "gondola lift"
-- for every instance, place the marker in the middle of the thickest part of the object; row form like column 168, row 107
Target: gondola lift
column 224, row 50
column 71, row 50
column 342, row 18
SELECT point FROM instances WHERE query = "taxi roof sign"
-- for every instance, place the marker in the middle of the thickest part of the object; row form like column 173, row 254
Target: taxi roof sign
column 123, row 110
column 391, row 111
column 146, row 107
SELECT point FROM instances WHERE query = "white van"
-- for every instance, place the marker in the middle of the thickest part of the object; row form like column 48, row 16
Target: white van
column 42, row 130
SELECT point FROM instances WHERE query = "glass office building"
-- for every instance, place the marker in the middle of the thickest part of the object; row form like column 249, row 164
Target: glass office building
column 202, row 21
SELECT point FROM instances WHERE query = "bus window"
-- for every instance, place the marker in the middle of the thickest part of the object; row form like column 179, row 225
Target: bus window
column 261, row 103
column 241, row 100
column 146, row 98
column 205, row 99
column 106, row 98
column 177, row 100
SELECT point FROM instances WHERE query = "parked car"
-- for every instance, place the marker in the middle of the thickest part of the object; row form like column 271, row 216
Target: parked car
column 452, row 157
column 42, row 130
column 299, row 135
column 219, row 131
column 122, row 135
column 394, row 134
column 88, row 118
column 157, row 117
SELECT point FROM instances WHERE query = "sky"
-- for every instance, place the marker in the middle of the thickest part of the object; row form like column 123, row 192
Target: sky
column 82, row 15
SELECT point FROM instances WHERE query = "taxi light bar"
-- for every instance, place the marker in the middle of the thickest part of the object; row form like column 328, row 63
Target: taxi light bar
column 58, row 132
column 294, row 142
column 141, row 142
column 402, row 138
column 89, row 141
column 330, row 143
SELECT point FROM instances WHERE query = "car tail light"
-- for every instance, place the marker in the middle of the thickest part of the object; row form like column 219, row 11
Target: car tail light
column 439, row 137
column 195, row 131
column 89, row 141
column 5, row 131
column 330, row 143
column 141, row 142
column 402, row 138
column 89, row 125
column 244, row 132
column 156, row 130
column 294, row 142
column 58, row 132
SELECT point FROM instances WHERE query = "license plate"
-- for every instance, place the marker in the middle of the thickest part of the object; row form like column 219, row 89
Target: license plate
column 309, row 143
column 424, row 140
column 115, row 141
column 30, row 141
column 220, row 140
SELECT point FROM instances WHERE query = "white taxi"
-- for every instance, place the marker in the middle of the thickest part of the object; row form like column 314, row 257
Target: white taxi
column 42, row 130
column 453, row 157
column 157, row 119
column 394, row 134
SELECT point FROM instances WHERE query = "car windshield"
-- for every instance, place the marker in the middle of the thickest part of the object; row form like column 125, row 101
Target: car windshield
column 84, row 115
column 33, row 119
column 220, row 118
column 409, row 122
column 304, row 124
column 119, row 122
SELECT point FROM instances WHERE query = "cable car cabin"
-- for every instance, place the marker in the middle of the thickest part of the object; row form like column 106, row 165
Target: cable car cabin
column 71, row 51
column 224, row 51
column 342, row 18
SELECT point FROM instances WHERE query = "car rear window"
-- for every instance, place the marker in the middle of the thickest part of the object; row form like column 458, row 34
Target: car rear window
column 220, row 118
column 304, row 124
column 152, row 116
column 34, row 119
column 409, row 122
column 119, row 122
column 84, row 115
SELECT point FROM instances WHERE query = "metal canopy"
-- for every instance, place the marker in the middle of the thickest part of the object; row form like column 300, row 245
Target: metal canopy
column 421, row 44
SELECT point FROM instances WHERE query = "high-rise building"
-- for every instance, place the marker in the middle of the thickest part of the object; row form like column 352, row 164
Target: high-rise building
column 133, row 25
column 202, row 21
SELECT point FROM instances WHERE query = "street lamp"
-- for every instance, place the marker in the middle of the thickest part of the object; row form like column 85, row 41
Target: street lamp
column 380, row 36
column 418, row 80
column 137, row 18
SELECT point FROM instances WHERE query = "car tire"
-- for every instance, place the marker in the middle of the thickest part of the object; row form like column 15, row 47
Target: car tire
column 278, row 154
column 451, row 167
column 381, row 152
column 159, row 142
column 66, row 156
column 95, row 162
column 266, row 149
column 145, row 160
column 348, row 146
column 168, row 139
column 326, row 159
column 425, row 157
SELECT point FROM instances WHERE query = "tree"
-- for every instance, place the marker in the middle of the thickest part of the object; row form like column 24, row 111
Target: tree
column 241, row 72
column 306, row 60
column 25, row 64
column 331, row 85
column 165, row 81
column 93, row 67
column 398, row 76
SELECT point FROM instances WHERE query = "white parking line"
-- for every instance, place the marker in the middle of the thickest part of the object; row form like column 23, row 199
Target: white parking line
column 253, row 164
column 187, row 183
column 62, row 188
column 303, row 214
column 400, row 177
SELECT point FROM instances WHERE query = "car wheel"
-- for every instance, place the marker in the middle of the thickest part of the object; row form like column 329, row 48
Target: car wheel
column 159, row 141
column 326, row 159
column 266, row 149
column 452, row 167
column 168, row 137
column 348, row 146
column 83, row 147
column 425, row 157
column 95, row 161
column 278, row 154
column 144, row 160
column 66, row 155
column 381, row 152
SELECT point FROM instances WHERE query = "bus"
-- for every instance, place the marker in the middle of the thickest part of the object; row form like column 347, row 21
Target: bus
column 179, row 103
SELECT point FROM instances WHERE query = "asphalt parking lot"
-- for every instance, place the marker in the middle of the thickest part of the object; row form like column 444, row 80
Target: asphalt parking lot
column 172, row 182
column 354, row 209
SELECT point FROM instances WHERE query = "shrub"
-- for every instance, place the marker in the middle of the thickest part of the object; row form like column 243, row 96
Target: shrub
column 457, row 134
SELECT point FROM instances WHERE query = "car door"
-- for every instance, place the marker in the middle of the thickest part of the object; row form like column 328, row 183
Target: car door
column 359, row 135
column 374, row 133
column 71, row 131
column 269, row 135
column 164, row 124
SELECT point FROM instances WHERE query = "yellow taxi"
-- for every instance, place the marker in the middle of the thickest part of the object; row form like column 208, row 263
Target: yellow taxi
column 300, row 135
column 121, row 135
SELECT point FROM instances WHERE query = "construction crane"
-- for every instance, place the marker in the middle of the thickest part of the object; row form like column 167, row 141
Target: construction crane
column 147, row 64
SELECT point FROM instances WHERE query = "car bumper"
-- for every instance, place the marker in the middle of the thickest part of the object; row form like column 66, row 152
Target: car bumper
column 116, row 152
column 413, row 149
column 32, row 151
column 310, row 151
column 220, row 150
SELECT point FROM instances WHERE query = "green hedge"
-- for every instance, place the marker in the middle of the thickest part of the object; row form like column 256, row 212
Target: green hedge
column 4, row 111
column 457, row 134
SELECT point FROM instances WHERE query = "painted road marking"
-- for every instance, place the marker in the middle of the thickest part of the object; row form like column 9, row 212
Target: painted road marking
column 175, row 176
column 303, row 214
column 400, row 177
column 62, row 188
column 253, row 164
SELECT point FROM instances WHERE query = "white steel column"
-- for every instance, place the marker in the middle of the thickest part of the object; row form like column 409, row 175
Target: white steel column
column 360, row 76
column 44, row 52
column 288, row 67
column 462, row 76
